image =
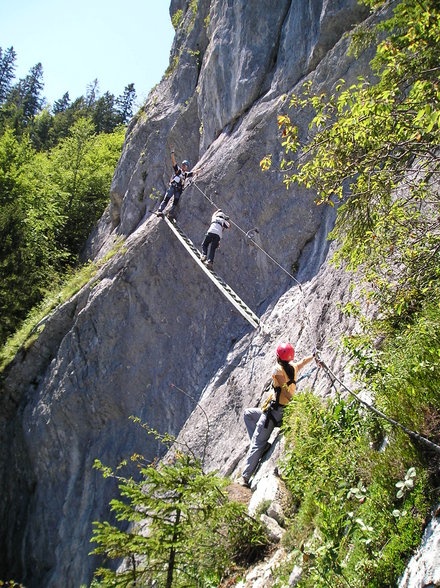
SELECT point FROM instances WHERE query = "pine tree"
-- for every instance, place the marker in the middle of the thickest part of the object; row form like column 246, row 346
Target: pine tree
column 92, row 95
column 183, row 528
column 104, row 114
column 31, row 88
column 7, row 69
column 23, row 101
column 62, row 104
column 124, row 104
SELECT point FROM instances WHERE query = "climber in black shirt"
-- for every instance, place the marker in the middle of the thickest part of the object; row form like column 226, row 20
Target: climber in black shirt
column 177, row 184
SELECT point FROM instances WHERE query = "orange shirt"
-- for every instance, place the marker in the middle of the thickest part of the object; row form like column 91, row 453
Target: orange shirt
column 280, row 378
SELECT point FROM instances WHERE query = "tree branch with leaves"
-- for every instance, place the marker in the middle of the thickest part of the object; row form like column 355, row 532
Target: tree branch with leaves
column 372, row 148
column 182, row 526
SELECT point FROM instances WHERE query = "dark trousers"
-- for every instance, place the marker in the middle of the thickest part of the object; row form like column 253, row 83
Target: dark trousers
column 210, row 242
column 172, row 191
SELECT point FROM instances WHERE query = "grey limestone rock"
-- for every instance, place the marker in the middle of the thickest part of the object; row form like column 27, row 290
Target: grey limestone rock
column 423, row 570
column 274, row 531
column 275, row 511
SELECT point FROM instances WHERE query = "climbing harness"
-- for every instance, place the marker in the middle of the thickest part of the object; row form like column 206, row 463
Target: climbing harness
column 179, row 178
column 273, row 404
column 226, row 290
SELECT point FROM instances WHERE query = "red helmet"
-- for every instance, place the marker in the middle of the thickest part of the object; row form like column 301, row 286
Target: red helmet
column 285, row 351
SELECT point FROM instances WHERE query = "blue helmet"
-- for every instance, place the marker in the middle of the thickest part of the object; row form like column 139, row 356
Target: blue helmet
column 186, row 162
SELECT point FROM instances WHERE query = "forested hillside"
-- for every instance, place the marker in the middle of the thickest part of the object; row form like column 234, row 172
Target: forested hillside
column 56, row 165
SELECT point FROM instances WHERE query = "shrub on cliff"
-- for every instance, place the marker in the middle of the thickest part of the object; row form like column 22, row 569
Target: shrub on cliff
column 183, row 530
column 359, row 511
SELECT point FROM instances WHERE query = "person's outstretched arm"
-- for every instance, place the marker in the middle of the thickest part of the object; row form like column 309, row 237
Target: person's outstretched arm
column 303, row 362
column 173, row 158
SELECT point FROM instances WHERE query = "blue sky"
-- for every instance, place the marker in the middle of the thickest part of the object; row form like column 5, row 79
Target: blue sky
column 118, row 42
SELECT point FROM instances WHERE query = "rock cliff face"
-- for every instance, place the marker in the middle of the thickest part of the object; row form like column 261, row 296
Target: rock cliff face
column 150, row 320
column 423, row 569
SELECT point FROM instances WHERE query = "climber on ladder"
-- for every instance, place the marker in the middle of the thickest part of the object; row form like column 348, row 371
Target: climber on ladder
column 211, row 242
column 261, row 422
column 176, row 185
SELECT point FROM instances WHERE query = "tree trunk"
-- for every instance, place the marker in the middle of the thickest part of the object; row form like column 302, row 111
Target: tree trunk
column 172, row 557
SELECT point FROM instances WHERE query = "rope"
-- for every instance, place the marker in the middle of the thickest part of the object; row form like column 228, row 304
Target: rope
column 198, row 405
column 409, row 432
column 247, row 235
column 307, row 374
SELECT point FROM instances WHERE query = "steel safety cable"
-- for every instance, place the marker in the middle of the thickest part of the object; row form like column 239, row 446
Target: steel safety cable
column 246, row 233
column 370, row 407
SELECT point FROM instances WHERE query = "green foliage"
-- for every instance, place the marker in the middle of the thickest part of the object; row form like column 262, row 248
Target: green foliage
column 193, row 8
column 82, row 167
column 315, row 429
column 404, row 375
column 373, row 146
column 372, row 149
column 62, row 290
column 7, row 69
column 23, row 101
column 125, row 105
column 177, row 18
column 27, row 222
column 23, row 109
column 56, row 166
column 172, row 66
column 183, row 530
column 359, row 511
column 48, row 206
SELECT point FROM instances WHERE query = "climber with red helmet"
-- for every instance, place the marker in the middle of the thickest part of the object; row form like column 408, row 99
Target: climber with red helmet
column 177, row 184
column 261, row 422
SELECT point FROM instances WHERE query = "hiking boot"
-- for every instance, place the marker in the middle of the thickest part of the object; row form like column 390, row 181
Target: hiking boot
column 172, row 215
column 209, row 264
column 203, row 257
column 243, row 482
